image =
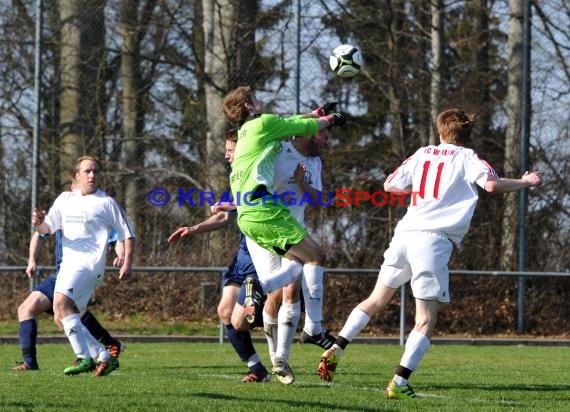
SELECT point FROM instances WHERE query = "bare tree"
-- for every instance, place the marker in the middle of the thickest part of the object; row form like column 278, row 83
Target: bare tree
column 395, row 88
column 481, row 75
column 512, row 136
column 70, row 96
column 82, row 40
column 3, row 213
column 219, row 16
column 133, row 115
column 437, row 39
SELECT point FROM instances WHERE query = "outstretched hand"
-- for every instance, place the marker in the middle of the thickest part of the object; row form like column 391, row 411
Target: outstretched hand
column 532, row 178
column 336, row 119
column 179, row 234
column 325, row 109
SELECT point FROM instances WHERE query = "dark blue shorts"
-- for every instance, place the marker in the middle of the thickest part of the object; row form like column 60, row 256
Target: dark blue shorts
column 241, row 266
column 47, row 287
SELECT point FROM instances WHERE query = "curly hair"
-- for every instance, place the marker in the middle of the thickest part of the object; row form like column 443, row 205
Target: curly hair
column 454, row 126
column 233, row 105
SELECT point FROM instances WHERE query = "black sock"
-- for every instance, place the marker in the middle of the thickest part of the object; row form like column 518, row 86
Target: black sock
column 98, row 331
column 342, row 342
column 403, row 372
column 242, row 343
column 27, row 334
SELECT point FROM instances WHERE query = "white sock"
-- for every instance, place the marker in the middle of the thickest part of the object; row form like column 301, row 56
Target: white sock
column 338, row 350
column 416, row 347
column 289, row 314
column 270, row 329
column 288, row 273
column 253, row 359
column 96, row 350
column 74, row 331
column 357, row 320
column 399, row 381
column 312, row 283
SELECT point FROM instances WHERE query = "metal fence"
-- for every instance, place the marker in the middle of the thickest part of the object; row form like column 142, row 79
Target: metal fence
column 373, row 272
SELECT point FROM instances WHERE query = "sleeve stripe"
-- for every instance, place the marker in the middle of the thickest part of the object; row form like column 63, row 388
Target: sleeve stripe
column 125, row 218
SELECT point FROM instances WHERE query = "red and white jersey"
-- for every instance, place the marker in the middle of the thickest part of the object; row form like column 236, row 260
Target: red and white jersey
column 86, row 223
column 443, row 182
column 285, row 166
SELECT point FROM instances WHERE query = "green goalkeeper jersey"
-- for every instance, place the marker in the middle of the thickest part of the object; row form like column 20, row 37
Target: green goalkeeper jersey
column 257, row 148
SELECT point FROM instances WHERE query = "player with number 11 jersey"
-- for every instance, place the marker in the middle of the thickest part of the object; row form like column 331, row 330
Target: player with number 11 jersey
column 437, row 177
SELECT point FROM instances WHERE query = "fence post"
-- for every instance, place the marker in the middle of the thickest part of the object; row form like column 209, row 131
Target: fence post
column 221, row 335
column 34, row 280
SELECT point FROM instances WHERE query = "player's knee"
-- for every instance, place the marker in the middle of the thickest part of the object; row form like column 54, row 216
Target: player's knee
column 239, row 322
column 22, row 312
column 30, row 308
column 321, row 257
column 225, row 313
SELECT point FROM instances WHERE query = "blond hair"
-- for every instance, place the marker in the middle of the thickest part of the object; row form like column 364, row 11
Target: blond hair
column 91, row 158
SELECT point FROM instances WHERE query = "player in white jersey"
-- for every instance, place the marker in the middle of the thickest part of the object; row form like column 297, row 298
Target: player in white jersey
column 443, row 183
column 298, row 178
column 86, row 217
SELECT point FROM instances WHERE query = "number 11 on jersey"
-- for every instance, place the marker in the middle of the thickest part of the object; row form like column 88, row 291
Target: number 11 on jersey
column 425, row 172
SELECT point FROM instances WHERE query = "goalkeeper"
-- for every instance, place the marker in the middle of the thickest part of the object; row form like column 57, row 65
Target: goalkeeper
column 262, row 216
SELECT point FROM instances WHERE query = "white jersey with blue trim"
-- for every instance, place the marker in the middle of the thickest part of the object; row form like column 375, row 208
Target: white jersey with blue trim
column 87, row 223
column 285, row 166
column 443, row 181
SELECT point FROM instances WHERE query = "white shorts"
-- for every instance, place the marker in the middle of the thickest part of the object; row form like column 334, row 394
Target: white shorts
column 78, row 285
column 264, row 260
column 420, row 258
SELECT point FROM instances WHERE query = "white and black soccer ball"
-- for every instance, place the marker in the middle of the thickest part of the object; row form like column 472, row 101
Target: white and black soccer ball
column 346, row 60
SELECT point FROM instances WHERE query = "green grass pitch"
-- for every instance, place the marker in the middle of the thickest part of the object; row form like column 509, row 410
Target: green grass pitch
column 206, row 377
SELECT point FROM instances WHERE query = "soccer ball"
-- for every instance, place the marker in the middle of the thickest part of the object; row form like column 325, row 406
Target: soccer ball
column 345, row 60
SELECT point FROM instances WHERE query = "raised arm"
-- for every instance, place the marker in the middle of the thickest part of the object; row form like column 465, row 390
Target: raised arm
column 502, row 185
column 214, row 222
column 38, row 220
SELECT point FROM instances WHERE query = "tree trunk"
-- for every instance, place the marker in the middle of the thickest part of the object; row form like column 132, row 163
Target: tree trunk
column 132, row 126
column 92, row 76
column 437, row 38
column 218, row 19
column 395, row 88
column 481, row 77
column 512, row 137
column 3, row 211
column 82, row 55
column 228, row 44
column 71, row 144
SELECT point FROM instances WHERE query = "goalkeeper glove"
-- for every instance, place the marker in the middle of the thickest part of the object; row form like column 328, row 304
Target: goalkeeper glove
column 335, row 119
column 324, row 110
